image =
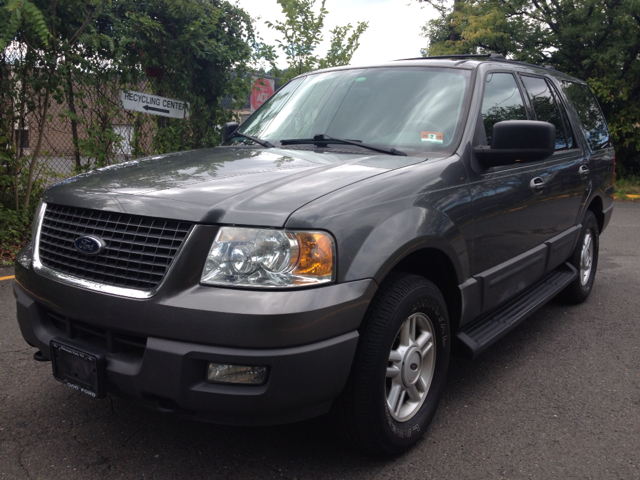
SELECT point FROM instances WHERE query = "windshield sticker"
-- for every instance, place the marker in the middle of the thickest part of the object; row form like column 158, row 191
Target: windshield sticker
column 433, row 137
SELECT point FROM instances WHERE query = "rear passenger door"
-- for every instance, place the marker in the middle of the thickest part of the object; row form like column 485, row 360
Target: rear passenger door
column 594, row 134
column 565, row 174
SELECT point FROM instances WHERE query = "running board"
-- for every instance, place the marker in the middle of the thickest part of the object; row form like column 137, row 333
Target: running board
column 476, row 338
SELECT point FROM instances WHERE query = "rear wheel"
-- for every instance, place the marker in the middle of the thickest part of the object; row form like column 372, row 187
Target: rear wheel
column 400, row 367
column 585, row 259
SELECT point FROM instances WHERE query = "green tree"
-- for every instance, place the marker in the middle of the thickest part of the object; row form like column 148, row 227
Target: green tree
column 202, row 49
column 17, row 14
column 301, row 33
column 595, row 40
column 63, row 51
column 38, row 38
column 78, row 55
column 344, row 43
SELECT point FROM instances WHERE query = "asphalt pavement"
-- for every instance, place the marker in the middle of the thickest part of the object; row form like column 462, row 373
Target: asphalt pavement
column 559, row 397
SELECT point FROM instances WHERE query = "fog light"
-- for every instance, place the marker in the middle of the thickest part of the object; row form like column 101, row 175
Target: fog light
column 25, row 256
column 218, row 373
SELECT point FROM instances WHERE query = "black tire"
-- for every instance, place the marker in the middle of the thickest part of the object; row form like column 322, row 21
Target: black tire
column 586, row 251
column 404, row 304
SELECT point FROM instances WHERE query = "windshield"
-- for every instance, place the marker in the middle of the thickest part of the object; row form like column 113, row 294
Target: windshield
column 415, row 109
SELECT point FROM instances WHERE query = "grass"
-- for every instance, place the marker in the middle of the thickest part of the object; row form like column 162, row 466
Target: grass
column 627, row 188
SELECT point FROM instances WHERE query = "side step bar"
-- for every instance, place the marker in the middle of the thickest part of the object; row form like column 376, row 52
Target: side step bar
column 474, row 339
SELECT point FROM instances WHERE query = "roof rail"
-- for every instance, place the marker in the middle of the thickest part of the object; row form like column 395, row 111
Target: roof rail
column 495, row 56
column 488, row 56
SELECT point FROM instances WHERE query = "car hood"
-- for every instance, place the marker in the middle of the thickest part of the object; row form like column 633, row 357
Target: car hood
column 248, row 186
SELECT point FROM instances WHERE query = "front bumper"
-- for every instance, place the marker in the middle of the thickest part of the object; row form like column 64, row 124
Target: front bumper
column 306, row 338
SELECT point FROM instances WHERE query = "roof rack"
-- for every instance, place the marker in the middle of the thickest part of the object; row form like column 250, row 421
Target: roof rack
column 495, row 56
column 488, row 56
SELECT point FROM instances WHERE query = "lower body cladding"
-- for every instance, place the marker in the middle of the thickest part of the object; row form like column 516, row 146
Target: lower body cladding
column 170, row 375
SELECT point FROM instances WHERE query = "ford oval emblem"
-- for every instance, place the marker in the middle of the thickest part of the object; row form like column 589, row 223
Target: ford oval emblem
column 89, row 245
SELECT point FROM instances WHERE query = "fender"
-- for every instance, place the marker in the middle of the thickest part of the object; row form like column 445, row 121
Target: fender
column 380, row 220
column 404, row 233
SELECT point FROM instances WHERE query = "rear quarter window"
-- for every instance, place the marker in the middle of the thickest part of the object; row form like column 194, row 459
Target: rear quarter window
column 592, row 121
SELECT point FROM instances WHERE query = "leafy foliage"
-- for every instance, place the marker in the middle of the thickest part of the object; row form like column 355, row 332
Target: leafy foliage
column 14, row 233
column 202, row 48
column 343, row 45
column 78, row 55
column 302, row 33
column 17, row 13
column 16, row 225
column 628, row 188
column 596, row 40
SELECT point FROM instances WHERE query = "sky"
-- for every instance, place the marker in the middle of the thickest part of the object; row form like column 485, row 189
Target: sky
column 393, row 33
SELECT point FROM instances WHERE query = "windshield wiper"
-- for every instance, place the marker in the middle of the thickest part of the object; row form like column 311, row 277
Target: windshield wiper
column 321, row 138
column 259, row 141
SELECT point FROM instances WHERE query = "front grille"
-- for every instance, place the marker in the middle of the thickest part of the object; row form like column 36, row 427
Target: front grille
column 108, row 340
column 138, row 253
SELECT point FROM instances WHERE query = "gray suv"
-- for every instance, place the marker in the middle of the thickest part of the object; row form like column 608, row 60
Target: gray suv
column 358, row 229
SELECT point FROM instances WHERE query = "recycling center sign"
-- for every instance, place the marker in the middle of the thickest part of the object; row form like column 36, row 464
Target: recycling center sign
column 143, row 102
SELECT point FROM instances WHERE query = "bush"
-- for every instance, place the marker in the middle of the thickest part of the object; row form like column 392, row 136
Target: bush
column 627, row 186
column 15, row 232
column 16, row 219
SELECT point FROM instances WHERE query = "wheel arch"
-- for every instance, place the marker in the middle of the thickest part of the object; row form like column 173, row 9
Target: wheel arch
column 436, row 266
column 420, row 241
column 596, row 205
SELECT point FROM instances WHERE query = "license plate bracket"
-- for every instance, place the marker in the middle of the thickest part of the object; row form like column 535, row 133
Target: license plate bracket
column 78, row 367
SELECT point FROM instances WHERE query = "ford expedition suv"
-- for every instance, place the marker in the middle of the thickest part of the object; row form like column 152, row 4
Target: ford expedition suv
column 358, row 229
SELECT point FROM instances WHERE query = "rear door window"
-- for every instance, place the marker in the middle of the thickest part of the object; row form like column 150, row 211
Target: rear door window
column 547, row 109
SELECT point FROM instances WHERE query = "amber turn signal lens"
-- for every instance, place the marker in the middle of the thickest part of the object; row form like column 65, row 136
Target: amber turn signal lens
column 316, row 254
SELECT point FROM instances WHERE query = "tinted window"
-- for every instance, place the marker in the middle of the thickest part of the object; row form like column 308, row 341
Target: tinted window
column 571, row 142
column 591, row 118
column 415, row 109
column 502, row 101
column 545, row 107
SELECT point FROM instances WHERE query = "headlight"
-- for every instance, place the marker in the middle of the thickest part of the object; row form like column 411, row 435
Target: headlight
column 252, row 257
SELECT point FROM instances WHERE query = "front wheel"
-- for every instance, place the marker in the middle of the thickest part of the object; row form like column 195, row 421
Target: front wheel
column 400, row 367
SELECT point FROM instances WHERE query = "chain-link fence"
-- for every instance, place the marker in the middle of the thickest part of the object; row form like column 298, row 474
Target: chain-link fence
column 63, row 111
column 87, row 130
column 87, row 127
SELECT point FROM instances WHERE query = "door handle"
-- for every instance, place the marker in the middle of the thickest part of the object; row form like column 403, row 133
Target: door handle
column 537, row 185
column 583, row 171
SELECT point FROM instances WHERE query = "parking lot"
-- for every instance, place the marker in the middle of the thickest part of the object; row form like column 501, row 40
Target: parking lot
column 559, row 397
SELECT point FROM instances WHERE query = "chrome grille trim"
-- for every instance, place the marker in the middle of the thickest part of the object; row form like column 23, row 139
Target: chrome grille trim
column 92, row 284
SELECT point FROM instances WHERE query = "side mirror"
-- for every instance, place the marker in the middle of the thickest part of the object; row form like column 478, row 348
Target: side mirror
column 518, row 140
column 228, row 129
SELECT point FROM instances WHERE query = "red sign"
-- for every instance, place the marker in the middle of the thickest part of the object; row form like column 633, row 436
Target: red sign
column 261, row 91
